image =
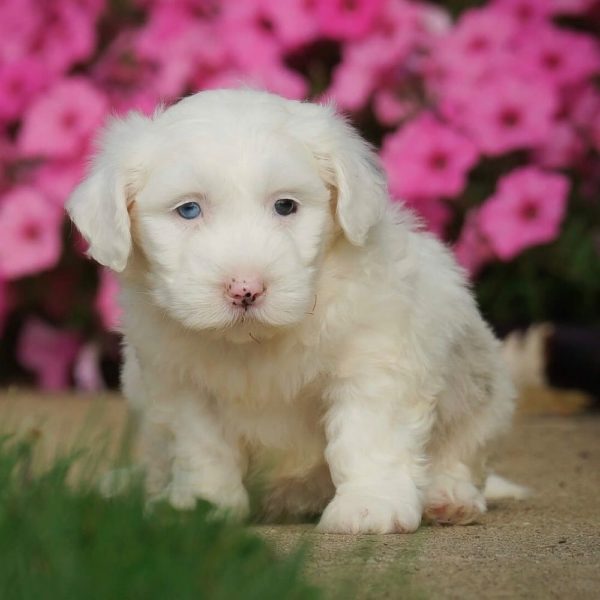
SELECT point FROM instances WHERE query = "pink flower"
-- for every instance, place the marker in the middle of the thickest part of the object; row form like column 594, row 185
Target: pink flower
column 427, row 159
column 347, row 19
column 246, row 35
column 271, row 77
column 352, row 85
column 293, row 21
column 57, row 179
column 48, row 352
column 20, row 81
column 166, row 41
column 281, row 80
column 472, row 249
column 571, row 7
column 66, row 34
column 204, row 8
column 583, row 105
column 526, row 210
column 507, row 113
column 8, row 157
column 30, row 233
column 582, row 114
column 61, row 123
column 558, row 56
column 3, row 304
column 86, row 370
column 525, row 12
column 19, row 23
column 255, row 54
column 176, row 48
column 107, row 303
column 479, row 43
column 564, row 148
column 128, row 80
column 595, row 133
column 94, row 8
column 380, row 60
column 390, row 109
column 435, row 213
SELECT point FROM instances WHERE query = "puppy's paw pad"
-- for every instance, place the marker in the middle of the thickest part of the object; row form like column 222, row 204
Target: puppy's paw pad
column 452, row 514
column 352, row 514
column 454, row 502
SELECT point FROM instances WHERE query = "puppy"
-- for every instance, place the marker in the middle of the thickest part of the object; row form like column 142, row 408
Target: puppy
column 279, row 311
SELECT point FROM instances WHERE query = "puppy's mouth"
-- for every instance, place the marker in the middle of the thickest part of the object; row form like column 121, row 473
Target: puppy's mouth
column 245, row 312
column 247, row 315
column 257, row 322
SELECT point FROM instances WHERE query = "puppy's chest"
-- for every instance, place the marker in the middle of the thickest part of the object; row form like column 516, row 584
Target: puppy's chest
column 257, row 377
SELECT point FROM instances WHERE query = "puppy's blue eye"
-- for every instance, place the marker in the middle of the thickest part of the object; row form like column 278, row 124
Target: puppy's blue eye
column 285, row 207
column 189, row 210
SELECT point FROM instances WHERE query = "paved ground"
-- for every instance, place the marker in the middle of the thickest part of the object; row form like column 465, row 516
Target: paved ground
column 545, row 547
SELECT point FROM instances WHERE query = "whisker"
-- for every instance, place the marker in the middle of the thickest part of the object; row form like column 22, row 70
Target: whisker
column 312, row 310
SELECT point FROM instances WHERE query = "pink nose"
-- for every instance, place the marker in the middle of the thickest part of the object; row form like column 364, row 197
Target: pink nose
column 244, row 291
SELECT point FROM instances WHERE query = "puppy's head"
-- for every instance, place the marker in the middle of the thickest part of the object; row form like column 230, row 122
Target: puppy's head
column 231, row 199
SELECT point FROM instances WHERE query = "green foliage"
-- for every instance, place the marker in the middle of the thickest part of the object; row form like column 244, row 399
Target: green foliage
column 63, row 541
column 456, row 7
column 558, row 282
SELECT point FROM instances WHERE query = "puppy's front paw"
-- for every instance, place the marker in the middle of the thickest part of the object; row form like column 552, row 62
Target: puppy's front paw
column 452, row 501
column 355, row 512
column 235, row 504
column 181, row 497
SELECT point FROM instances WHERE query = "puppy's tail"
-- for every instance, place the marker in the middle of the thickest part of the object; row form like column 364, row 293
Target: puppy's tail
column 498, row 488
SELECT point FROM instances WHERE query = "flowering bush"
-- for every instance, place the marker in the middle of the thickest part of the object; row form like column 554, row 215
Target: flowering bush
column 488, row 119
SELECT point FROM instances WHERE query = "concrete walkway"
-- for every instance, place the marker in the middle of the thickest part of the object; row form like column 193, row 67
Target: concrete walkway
column 545, row 547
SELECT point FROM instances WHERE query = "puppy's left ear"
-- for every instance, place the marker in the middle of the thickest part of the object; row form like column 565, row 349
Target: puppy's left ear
column 351, row 168
column 360, row 183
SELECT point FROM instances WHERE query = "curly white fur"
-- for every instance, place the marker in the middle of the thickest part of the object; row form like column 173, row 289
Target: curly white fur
column 365, row 383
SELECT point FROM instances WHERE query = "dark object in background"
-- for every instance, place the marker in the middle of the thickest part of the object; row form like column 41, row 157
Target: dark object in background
column 572, row 359
column 556, row 356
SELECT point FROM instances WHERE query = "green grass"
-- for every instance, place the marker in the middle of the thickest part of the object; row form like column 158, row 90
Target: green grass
column 59, row 540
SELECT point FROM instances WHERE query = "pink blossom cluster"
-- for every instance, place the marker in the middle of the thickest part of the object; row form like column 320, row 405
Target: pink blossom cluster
column 445, row 96
column 501, row 80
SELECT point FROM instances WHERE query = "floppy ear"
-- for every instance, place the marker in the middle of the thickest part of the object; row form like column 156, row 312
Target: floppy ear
column 360, row 183
column 350, row 166
column 99, row 205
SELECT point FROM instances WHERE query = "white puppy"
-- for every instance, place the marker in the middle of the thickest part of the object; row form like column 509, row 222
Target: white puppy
column 280, row 312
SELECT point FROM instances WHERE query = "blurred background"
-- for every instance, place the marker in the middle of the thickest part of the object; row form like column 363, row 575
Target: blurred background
column 486, row 116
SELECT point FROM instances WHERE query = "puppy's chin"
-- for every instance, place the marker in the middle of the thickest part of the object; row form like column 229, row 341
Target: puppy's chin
column 243, row 331
column 248, row 332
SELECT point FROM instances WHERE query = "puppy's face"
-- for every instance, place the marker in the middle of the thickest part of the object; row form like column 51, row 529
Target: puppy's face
column 233, row 225
column 231, row 199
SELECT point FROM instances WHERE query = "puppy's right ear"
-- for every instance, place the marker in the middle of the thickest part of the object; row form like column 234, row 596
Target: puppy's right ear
column 99, row 205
